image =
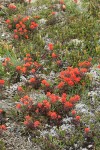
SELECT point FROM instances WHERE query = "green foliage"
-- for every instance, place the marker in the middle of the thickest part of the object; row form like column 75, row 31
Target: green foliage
column 2, row 145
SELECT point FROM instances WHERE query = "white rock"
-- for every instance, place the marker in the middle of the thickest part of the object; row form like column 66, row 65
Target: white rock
column 42, row 21
column 89, row 146
column 81, row 108
column 23, row 79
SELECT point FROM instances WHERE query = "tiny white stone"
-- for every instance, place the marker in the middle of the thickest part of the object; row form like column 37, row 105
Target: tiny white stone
column 42, row 21
column 89, row 146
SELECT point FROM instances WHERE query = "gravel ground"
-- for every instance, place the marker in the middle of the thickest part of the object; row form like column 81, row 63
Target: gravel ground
column 15, row 141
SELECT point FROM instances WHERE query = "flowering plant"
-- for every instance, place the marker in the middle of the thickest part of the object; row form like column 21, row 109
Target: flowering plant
column 2, row 120
column 22, row 27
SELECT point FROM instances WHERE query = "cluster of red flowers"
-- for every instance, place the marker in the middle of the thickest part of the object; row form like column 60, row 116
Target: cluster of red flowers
column 87, row 130
column 71, row 76
column 53, row 98
column 70, row 104
column 74, row 99
column 1, row 111
column 29, row 67
column 85, row 64
column 36, row 124
column 48, row 107
column 75, row 117
column 45, row 83
column 29, row 122
column 43, row 106
column 22, row 26
column 25, row 101
column 6, row 62
column 98, row 66
column 54, row 55
column 50, row 46
column 67, row 105
column 12, row 6
column 53, row 115
column 63, row 99
column 20, row 89
column 32, row 80
column 2, row 82
column 2, row 127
